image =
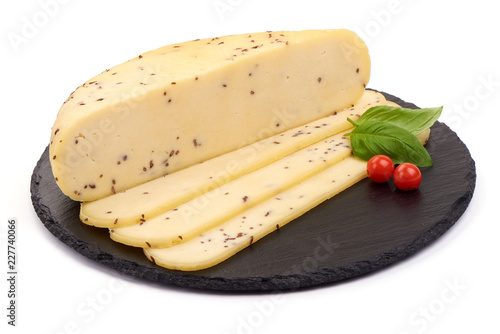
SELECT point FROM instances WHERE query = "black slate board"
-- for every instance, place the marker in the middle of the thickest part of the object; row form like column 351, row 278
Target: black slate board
column 367, row 227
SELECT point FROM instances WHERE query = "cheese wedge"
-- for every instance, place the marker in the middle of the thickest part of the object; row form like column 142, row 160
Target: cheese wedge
column 150, row 199
column 237, row 233
column 221, row 242
column 185, row 103
column 214, row 207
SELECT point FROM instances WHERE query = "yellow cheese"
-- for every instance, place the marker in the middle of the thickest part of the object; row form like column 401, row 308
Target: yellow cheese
column 157, row 196
column 214, row 207
column 237, row 233
column 185, row 103
column 221, row 242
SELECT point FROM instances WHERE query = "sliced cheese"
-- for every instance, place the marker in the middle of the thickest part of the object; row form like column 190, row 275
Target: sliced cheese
column 157, row 196
column 237, row 233
column 221, row 242
column 185, row 103
column 214, row 207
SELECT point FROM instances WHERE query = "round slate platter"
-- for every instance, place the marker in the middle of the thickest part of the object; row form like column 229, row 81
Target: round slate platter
column 365, row 228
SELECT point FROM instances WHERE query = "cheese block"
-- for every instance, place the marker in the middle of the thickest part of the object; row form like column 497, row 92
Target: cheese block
column 239, row 232
column 157, row 196
column 223, row 241
column 185, row 103
column 212, row 208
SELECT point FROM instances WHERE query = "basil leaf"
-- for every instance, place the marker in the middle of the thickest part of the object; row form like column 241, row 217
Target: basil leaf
column 374, row 137
column 413, row 120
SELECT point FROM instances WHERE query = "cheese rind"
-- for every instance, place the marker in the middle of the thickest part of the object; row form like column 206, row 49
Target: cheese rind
column 225, row 240
column 150, row 199
column 182, row 104
column 214, row 207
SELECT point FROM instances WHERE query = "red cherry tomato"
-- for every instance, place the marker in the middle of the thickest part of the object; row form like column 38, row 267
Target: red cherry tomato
column 407, row 176
column 380, row 168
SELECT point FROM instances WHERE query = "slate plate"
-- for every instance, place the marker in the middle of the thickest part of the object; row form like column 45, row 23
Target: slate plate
column 367, row 227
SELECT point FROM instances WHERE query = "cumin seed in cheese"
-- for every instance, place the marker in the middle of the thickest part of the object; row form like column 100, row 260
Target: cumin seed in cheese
column 185, row 103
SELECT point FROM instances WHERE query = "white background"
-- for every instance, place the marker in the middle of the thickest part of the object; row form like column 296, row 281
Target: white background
column 427, row 52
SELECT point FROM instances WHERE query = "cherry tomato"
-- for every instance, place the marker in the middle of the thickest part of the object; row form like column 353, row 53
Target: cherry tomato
column 380, row 168
column 407, row 176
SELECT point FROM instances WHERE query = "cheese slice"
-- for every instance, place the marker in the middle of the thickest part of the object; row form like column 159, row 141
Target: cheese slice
column 185, row 103
column 214, row 207
column 221, row 242
column 150, row 199
column 237, row 233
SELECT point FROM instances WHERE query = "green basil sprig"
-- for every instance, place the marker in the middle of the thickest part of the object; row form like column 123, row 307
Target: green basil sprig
column 413, row 120
column 391, row 131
